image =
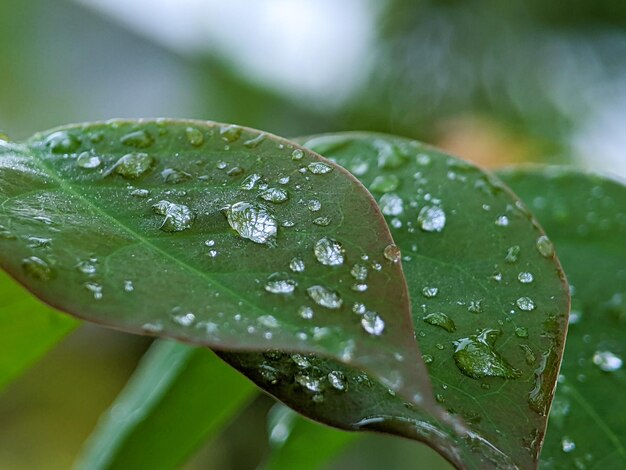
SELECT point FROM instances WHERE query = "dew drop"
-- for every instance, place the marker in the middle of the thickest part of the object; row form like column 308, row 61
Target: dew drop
column 306, row 312
column 545, row 246
column 183, row 319
column 62, row 142
column 255, row 141
column 230, row 133
column 385, row 183
column 250, row 182
column 133, row 165
column 526, row 304
column 138, row 139
column 325, row 297
column 567, row 445
column 392, row 253
column 391, row 204
column 279, row 283
column 314, row 205
column 140, row 193
column 475, row 306
column 359, row 287
column 275, row 195
column 129, row 286
column 37, row 268
column 432, row 219
column 322, row 221
column 440, row 319
column 521, row 332
column 194, row 136
column 430, row 292
column 252, row 221
column 87, row 161
column 95, row 289
column 338, row 380
column 502, row 221
column 309, row 382
column 329, row 252
column 297, row 265
column 512, row 254
column 268, row 321
column 175, row 176
column 87, row 267
column 178, row 217
column 607, row 361
column 389, row 156
column 297, row 154
column 475, row 357
column 359, row 272
column 372, row 323
column 319, row 168
column 525, row 277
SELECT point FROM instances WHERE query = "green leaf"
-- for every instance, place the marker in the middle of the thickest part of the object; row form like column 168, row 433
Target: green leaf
column 210, row 234
column 178, row 397
column 28, row 329
column 585, row 216
column 489, row 302
column 299, row 443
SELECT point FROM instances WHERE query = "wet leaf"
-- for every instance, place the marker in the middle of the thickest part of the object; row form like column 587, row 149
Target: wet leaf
column 178, row 397
column 28, row 329
column 166, row 228
column 585, row 217
column 492, row 338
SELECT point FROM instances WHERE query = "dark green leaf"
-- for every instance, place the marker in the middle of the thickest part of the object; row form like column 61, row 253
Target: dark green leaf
column 585, row 216
column 28, row 329
column 493, row 358
column 207, row 233
column 178, row 397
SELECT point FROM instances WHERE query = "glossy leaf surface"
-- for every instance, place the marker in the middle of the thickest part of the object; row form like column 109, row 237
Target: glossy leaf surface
column 489, row 302
column 178, row 397
column 207, row 233
column 585, row 216
column 28, row 329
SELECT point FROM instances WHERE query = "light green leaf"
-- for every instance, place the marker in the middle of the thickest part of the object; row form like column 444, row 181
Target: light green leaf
column 178, row 397
column 28, row 329
column 585, row 217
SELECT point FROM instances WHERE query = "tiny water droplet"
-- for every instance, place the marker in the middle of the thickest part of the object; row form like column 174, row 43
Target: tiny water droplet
column 62, row 142
column 138, row 139
column 133, row 165
column 385, row 184
column 178, row 217
column 429, row 292
column 183, row 319
column 545, row 246
column 525, row 303
column 338, row 380
column 309, row 382
column 255, row 141
column 175, row 176
column 502, row 221
column 275, row 195
column 567, row 445
column 521, row 332
column 194, row 136
column 475, row 306
column 391, row 204
column 432, row 219
column 268, row 321
column 372, row 323
column 392, row 253
column 528, row 354
column 329, row 252
column 154, row 328
column 250, row 182
column 440, row 319
column 359, row 308
column 230, row 133
column 37, row 268
column 359, row 272
column 607, row 361
column 252, row 221
column 87, row 267
column 95, row 289
column 297, row 265
column 512, row 254
column 306, row 312
column 525, row 277
column 314, row 205
column 140, row 193
column 297, row 154
column 300, row 361
column 279, row 283
column 87, row 161
column 322, row 221
column 319, row 168
column 325, row 297
column 129, row 286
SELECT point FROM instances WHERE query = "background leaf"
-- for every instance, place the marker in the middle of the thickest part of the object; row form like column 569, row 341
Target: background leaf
column 178, row 397
column 189, row 230
column 585, row 216
column 28, row 329
column 482, row 280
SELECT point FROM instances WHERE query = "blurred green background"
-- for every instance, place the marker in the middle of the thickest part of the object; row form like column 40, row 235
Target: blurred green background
column 493, row 82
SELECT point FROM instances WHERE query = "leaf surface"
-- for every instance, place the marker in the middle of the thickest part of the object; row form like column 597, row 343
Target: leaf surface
column 585, row 216
column 207, row 233
column 178, row 397
column 489, row 303
column 28, row 329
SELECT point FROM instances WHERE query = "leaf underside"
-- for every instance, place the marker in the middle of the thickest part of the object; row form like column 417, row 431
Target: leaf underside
column 585, row 216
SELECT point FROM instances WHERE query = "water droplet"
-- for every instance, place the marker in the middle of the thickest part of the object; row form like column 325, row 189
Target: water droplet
column 325, row 297
column 252, row 221
column 528, row 353
column 183, row 319
column 319, row 168
column 275, row 195
column 359, row 308
column 250, row 182
column 329, row 252
column 140, row 193
column 306, row 312
column 338, row 380
column 129, row 286
column 525, row 303
column 175, row 176
column 279, row 283
column 95, row 289
column 512, row 254
column 178, row 217
column 137, row 139
column 432, row 219
column 255, row 141
column 359, row 272
column 194, row 136
column 427, row 358
column 372, row 323
column 545, row 246
column 475, row 357
column 502, row 221
column 88, row 161
column 607, row 361
column 440, row 319
column 314, row 205
column 392, row 253
column 309, row 382
column 391, row 204
column 297, row 154
column 36, row 242
column 430, row 292
column 389, row 156
column 133, row 165
column 87, row 267
column 385, row 184
column 268, row 321
column 153, row 328
column 300, row 361
column 62, row 142
column 37, row 268
column 525, row 277
column 297, row 265
column 359, row 287
column 521, row 332
column 567, row 445
column 230, row 133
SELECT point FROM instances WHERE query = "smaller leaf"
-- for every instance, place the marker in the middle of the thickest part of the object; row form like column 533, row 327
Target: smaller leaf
column 178, row 397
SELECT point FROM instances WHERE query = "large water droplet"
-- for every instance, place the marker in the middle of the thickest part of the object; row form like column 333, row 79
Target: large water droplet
column 440, row 319
column 275, row 195
column 372, row 323
column 325, row 297
column 607, row 361
column 432, row 219
column 178, row 217
column 525, row 303
column 475, row 357
column 391, row 204
column 252, row 221
column 329, row 252
column 87, row 161
column 133, row 165
column 545, row 246
column 280, row 283
column 37, row 268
